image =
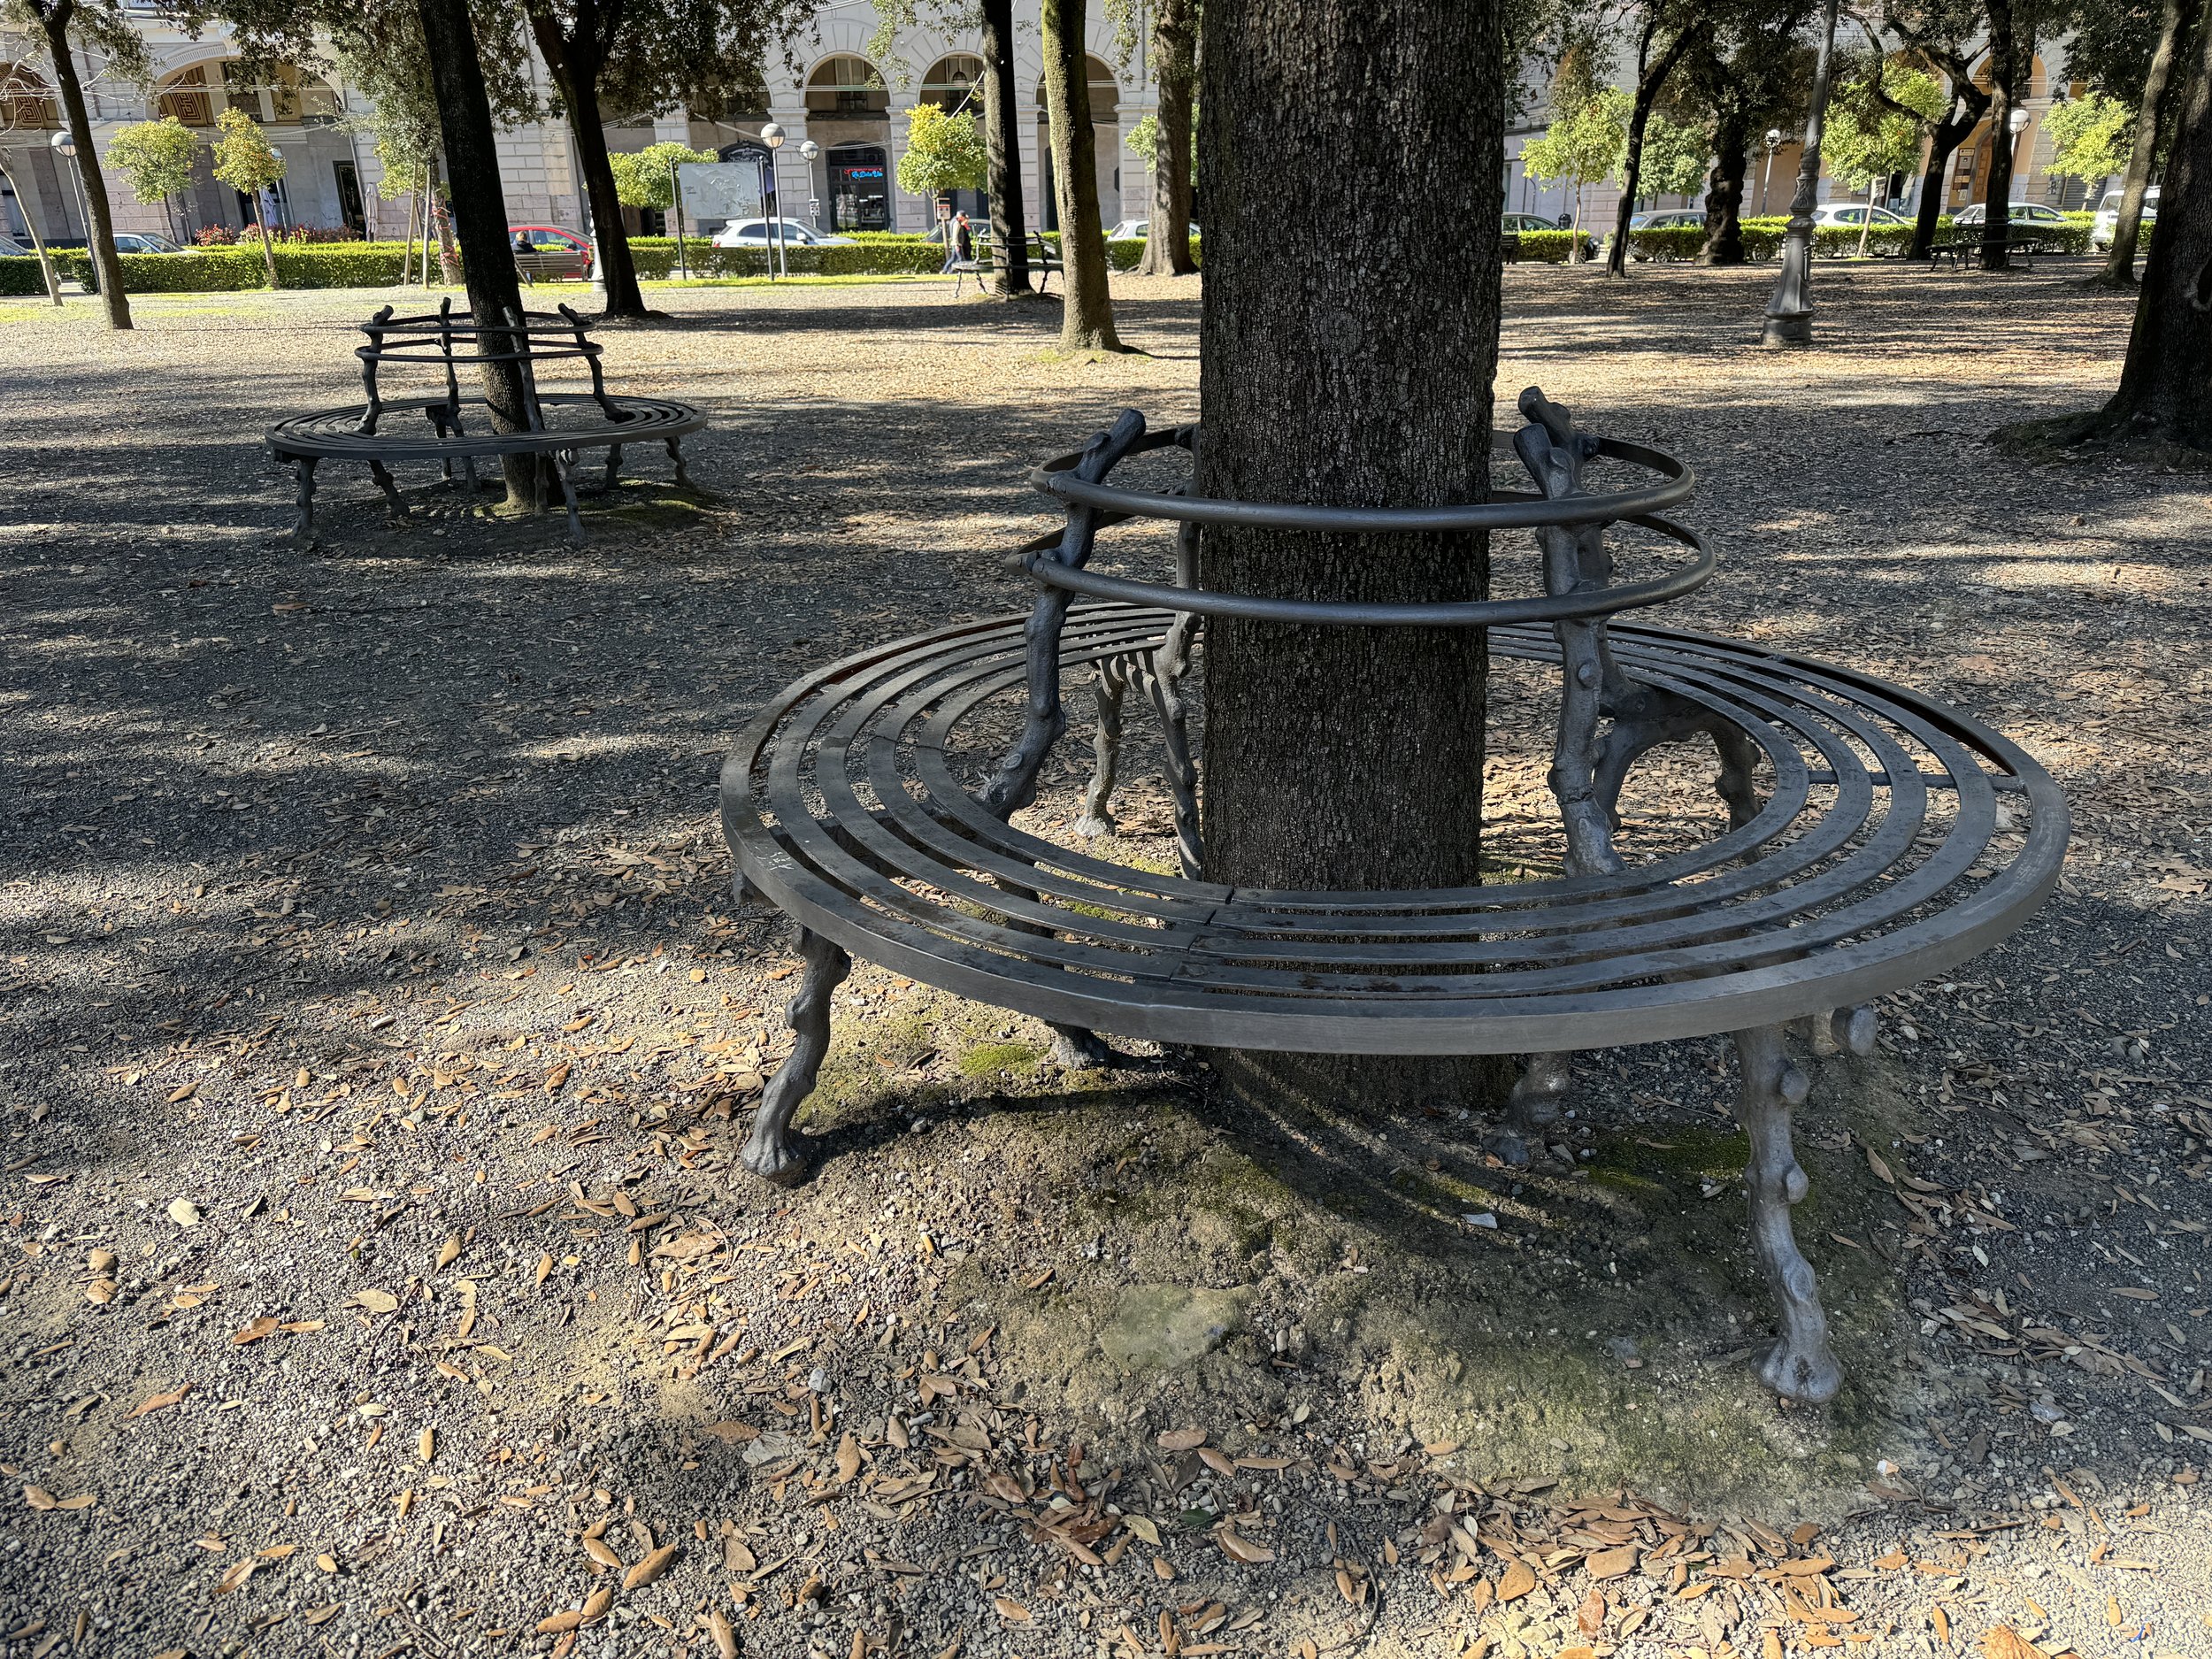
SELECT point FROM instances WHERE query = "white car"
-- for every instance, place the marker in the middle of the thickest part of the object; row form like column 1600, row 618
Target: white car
column 2016, row 212
column 1854, row 214
column 753, row 232
column 1134, row 230
column 2102, row 233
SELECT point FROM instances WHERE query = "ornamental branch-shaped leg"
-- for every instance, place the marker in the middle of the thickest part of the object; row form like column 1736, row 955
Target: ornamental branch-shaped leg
column 1107, row 690
column 772, row 1151
column 303, row 498
column 1800, row 1366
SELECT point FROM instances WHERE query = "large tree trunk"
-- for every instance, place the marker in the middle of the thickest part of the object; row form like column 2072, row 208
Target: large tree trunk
column 268, row 252
column 1944, row 139
column 1175, row 70
column 1002, row 142
column 1347, row 758
column 1723, row 188
column 101, row 231
column 2119, row 267
column 479, row 206
column 2166, row 387
column 576, row 70
column 1087, row 317
column 2004, row 72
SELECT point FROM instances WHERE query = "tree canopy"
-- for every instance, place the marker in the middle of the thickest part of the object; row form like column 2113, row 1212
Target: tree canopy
column 2091, row 138
column 155, row 156
column 1875, row 123
column 944, row 151
column 647, row 177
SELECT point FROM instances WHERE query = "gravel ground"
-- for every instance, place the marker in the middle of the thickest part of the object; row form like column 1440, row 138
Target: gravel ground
column 376, row 1031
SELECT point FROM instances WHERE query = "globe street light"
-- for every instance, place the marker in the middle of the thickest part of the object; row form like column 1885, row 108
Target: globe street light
column 772, row 135
column 808, row 151
column 1774, row 143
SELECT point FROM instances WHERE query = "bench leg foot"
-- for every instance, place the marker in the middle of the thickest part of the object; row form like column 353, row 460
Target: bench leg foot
column 1800, row 1366
column 1532, row 1107
column 773, row 1152
column 303, row 498
column 1841, row 1031
column 383, row 478
column 1075, row 1049
column 675, row 454
column 564, row 467
column 1098, row 816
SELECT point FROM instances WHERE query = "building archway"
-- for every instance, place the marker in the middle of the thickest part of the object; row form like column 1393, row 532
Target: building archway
column 29, row 111
column 848, row 114
column 1105, row 101
column 299, row 113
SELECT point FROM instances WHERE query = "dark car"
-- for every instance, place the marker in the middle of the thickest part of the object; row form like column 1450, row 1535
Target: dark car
column 549, row 251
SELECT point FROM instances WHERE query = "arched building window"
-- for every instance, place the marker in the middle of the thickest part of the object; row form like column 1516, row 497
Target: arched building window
column 27, row 105
column 845, row 88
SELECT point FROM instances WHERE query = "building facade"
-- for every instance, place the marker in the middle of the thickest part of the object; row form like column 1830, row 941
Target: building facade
column 851, row 102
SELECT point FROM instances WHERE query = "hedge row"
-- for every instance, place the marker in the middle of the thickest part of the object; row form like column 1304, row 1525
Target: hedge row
column 19, row 276
column 217, row 270
column 1762, row 239
column 655, row 258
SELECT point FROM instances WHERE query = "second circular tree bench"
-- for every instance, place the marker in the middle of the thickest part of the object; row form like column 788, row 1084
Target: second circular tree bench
column 1894, row 839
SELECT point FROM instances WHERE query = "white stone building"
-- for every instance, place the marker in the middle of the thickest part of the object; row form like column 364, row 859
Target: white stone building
column 851, row 105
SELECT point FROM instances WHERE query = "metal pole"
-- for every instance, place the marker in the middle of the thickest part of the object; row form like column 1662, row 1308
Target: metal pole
column 1789, row 310
column 676, row 192
column 768, row 208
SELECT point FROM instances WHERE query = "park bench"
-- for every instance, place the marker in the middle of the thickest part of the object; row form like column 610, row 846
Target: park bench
column 1894, row 837
column 558, row 425
column 1963, row 247
column 1043, row 261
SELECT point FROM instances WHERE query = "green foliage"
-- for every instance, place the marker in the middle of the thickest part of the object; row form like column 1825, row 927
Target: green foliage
column 647, row 177
column 1548, row 247
column 943, row 152
column 155, row 156
column 1143, row 140
column 900, row 256
column 1583, row 142
column 1673, row 162
column 19, row 276
column 243, row 158
column 1865, row 138
column 406, row 170
column 2092, row 137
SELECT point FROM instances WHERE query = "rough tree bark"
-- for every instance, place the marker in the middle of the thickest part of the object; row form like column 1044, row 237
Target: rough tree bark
column 1651, row 77
column 2119, row 267
column 1723, row 188
column 1001, row 140
column 2166, row 387
column 29, row 210
column 1087, row 317
column 1347, row 758
column 1968, row 105
column 480, row 211
column 2004, row 76
column 54, row 18
column 575, row 50
column 1175, row 71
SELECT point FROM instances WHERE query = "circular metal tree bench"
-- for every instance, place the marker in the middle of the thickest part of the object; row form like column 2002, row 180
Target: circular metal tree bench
column 1894, row 837
column 558, row 425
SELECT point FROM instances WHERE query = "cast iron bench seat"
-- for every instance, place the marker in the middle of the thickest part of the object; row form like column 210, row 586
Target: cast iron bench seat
column 559, row 424
column 1895, row 839
column 1959, row 247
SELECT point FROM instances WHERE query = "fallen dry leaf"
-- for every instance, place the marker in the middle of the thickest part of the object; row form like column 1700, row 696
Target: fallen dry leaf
column 1242, row 1548
column 1518, row 1582
column 650, row 1568
column 156, row 1403
column 1182, row 1440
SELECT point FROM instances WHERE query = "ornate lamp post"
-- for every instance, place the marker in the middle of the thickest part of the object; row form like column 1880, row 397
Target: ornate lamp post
column 1766, row 176
column 66, row 147
column 1790, row 310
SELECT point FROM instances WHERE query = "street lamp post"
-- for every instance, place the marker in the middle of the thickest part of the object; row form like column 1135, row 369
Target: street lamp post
column 1790, row 310
column 1766, row 177
column 676, row 201
column 66, row 147
column 808, row 151
column 772, row 135
column 2016, row 123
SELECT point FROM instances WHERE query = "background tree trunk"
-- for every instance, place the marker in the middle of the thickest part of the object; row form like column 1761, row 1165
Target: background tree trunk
column 2004, row 72
column 38, row 242
column 1943, row 142
column 577, row 72
column 1347, row 758
column 1175, row 71
column 1001, row 140
column 1651, row 77
column 2166, row 387
column 1087, row 318
column 2119, row 267
column 479, row 204
column 268, row 253
column 54, row 22
column 1724, row 189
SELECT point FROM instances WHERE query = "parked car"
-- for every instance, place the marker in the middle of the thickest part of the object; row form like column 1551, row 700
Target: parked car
column 139, row 241
column 10, row 249
column 1854, row 214
column 2016, row 212
column 1135, row 230
column 549, row 251
column 1669, row 218
column 753, row 232
column 2107, row 223
column 1516, row 223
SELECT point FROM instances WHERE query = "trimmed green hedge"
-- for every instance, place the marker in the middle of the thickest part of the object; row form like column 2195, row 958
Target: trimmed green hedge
column 19, row 276
column 1549, row 247
column 1762, row 239
column 341, row 264
column 881, row 255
